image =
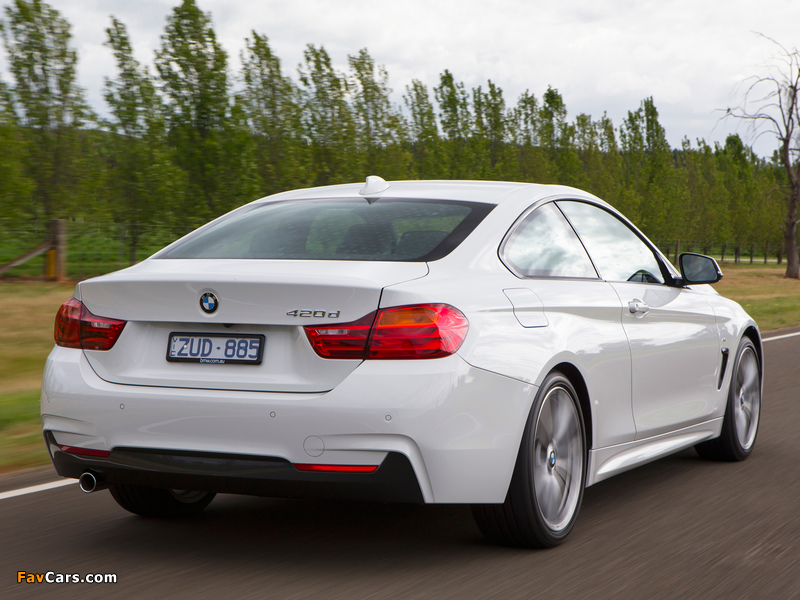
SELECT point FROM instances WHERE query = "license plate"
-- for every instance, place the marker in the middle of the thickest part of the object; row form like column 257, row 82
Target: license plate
column 216, row 348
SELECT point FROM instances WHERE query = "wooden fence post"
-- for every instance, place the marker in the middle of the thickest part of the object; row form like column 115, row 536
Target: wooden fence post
column 59, row 241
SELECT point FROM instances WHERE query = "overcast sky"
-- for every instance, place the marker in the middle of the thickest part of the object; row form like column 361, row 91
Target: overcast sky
column 602, row 55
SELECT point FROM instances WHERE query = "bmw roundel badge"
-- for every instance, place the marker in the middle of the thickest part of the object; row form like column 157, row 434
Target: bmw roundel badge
column 209, row 302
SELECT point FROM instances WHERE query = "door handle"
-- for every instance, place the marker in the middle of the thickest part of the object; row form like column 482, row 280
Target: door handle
column 638, row 308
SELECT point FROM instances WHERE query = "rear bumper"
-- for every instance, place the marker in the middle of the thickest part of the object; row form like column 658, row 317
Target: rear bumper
column 456, row 428
column 393, row 481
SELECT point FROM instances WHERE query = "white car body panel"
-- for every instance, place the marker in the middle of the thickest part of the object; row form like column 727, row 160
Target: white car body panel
column 612, row 460
column 676, row 357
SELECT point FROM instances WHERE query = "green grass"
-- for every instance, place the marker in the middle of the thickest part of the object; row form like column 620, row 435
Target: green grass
column 26, row 339
column 775, row 313
column 762, row 290
column 21, row 442
column 20, row 407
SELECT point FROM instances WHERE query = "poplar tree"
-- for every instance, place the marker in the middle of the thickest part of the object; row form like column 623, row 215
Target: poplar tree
column 47, row 103
column 144, row 184
column 208, row 144
column 328, row 121
column 271, row 104
column 15, row 187
column 381, row 128
column 423, row 127
column 455, row 118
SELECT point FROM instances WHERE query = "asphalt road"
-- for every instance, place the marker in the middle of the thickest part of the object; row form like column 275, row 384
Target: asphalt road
column 677, row 528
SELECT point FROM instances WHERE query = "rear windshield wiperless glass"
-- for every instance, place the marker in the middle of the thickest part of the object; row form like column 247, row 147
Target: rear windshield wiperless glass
column 385, row 230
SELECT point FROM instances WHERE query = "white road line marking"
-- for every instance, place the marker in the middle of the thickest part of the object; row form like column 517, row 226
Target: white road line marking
column 37, row 488
column 781, row 337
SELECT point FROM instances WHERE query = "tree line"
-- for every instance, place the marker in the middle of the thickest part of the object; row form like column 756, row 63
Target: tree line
column 186, row 139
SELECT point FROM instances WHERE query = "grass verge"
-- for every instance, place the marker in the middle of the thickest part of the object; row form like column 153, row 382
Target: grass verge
column 762, row 290
column 21, row 444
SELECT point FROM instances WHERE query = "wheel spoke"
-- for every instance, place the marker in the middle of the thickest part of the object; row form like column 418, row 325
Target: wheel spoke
column 565, row 426
column 562, row 477
column 747, row 399
column 742, row 425
column 548, row 497
column 749, row 384
column 546, row 423
column 540, row 453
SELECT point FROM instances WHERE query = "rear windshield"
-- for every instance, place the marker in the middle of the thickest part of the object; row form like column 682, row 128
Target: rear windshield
column 386, row 230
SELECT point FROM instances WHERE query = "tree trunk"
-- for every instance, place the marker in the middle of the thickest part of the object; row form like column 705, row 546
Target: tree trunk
column 790, row 236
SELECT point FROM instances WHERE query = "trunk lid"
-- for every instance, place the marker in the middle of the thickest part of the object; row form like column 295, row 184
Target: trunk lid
column 273, row 298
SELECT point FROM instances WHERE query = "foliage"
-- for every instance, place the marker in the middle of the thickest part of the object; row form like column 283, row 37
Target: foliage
column 187, row 139
column 141, row 173
column 48, row 106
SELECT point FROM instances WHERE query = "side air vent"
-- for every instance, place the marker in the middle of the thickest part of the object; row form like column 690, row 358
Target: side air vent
column 723, row 367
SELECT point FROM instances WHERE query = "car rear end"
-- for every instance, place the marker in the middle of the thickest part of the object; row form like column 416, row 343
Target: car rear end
column 258, row 355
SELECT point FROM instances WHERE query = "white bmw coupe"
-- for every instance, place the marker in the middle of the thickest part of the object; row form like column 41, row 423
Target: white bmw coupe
column 500, row 344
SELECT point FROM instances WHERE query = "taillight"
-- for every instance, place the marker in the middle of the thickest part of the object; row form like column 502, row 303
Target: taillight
column 422, row 331
column 77, row 327
column 341, row 340
column 427, row 331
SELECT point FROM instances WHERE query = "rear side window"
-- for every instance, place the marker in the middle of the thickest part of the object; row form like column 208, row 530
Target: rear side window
column 387, row 230
column 544, row 245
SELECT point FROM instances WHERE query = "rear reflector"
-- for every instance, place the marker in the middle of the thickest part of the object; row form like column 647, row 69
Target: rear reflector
column 337, row 468
column 403, row 332
column 85, row 451
column 77, row 327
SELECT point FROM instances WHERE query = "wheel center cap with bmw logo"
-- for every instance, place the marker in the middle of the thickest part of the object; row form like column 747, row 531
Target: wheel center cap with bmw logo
column 209, row 302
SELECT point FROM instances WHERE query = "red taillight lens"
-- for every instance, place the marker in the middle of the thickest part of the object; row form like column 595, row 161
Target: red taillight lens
column 341, row 340
column 68, row 324
column 76, row 327
column 427, row 331
column 423, row 331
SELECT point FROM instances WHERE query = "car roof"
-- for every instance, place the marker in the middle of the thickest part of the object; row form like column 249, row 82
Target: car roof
column 491, row 192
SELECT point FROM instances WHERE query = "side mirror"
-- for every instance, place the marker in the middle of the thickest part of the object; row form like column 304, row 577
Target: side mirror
column 697, row 268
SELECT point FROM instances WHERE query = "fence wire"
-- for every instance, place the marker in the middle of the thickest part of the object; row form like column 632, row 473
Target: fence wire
column 92, row 248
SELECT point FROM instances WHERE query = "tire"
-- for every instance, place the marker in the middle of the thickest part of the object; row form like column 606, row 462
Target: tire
column 160, row 503
column 546, row 488
column 742, row 412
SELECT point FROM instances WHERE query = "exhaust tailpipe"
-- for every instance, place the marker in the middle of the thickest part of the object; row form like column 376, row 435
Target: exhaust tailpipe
column 90, row 482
